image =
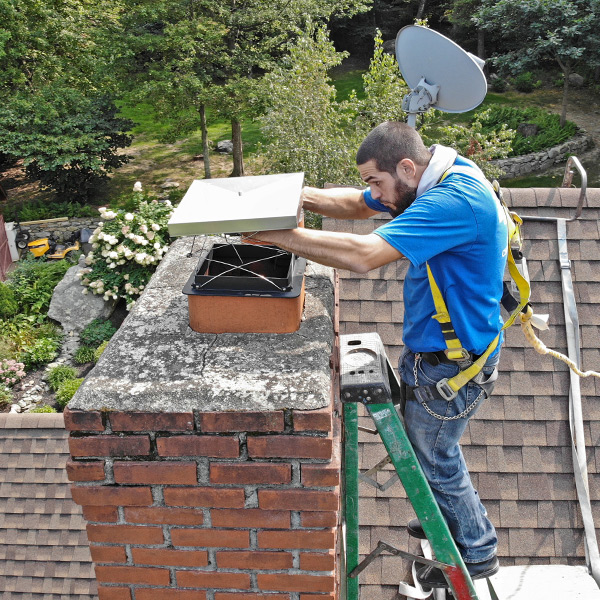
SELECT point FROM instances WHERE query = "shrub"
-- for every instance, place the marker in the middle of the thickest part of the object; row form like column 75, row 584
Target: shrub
column 67, row 390
column 57, row 375
column 499, row 85
column 550, row 132
column 33, row 282
column 96, row 332
column 25, row 340
column 8, row 302
column 11, row 372
column 99, row 350
column 5, row 396
column 84, row 354
column 38, row 210
column 43, row 409
column 126, row 249
column 525, row 82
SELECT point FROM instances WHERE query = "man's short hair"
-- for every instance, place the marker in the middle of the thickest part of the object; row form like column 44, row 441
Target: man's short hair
column 391, row 142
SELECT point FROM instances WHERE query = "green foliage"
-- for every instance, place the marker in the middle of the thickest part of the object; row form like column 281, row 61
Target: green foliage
column 25, row 340
column 38, row 210
column 499, row 85
column 45, row 408
column 526, row 82
column 84, row 355
column 60, row 373
column 126, row 249
column 8, row 302
column 67, row 390
column 99, row 350
column 33, row 282
column 96, row 332
column 475, row 143
column 550, row 132
column 5, row 396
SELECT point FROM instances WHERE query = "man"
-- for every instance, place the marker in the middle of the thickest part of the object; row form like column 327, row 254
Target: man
column 445, row 216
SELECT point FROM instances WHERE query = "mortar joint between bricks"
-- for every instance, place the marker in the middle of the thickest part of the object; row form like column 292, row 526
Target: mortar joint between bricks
column 295, row 559
column 295, row 519
column 251, row 492
column 121, row 515
column 296, row 472
column 288, row 420
column 254, row 583
column 167, row 535
column 207, row 521
column 128, row 554
column 254, row 539
column 243, row 438
column 203, row 470
column 109, row 476
column 212, row 558
column 158, row 497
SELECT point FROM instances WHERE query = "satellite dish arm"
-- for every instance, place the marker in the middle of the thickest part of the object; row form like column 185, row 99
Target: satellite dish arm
column 419, row 100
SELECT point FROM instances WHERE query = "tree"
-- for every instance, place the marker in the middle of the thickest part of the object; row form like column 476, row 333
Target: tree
column 565, row 31
column 57, row 111
column 460, row 15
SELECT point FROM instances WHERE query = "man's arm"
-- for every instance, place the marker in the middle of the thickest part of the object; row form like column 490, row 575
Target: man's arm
column 338, row 203
column 359, row 253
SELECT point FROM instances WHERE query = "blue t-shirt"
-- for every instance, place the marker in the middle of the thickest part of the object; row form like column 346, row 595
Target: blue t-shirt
column 458, row 227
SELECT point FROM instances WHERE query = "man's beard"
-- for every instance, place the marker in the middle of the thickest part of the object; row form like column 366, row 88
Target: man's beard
column 405, row 196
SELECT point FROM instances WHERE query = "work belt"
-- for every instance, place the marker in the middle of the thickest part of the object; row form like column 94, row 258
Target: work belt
column 441, row 390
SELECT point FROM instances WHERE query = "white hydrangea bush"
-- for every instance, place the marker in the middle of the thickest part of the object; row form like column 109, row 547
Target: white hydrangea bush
column 126, row 249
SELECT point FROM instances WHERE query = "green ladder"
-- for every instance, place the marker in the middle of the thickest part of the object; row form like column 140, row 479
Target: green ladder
column 366, row 376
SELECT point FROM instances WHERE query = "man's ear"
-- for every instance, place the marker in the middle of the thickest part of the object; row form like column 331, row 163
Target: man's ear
column 406, row 168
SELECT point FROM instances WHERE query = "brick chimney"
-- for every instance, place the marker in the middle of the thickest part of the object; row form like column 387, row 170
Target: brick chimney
column 208, row 465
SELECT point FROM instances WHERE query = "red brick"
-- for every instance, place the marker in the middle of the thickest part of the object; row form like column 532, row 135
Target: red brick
column 108, row 554
column 251, row 517
column 90, row 470
column 101, row 514
column 210, row 538
column 140, row 575
column 318, row 597
column 308, row 500
column 151, row 421
column 204, row 496
column 168, row 594
column 313, row 420
column 248, row 473
column 221, row 422
column 170, row 558
column 98, row 495
column 212, row 580
column 254, row 560
column 289, row 446
column 320, row 475
column 113, row 593
column 198, row 445
column 313, row 540
column 249, row 596
column 318, row 519
column 110, row 445
column 295, row 583
column 164, row 516
column 178, row 473
column 125, row 534
column 316, row 561
column 80, row 420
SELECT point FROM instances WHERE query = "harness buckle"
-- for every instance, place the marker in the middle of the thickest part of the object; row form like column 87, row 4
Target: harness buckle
column 445, row 391
column 458, row 354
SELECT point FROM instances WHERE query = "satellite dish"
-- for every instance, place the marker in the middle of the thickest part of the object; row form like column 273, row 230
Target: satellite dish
column 439, row 72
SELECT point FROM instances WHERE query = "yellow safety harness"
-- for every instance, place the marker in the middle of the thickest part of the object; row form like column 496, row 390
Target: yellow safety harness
column 455, row 351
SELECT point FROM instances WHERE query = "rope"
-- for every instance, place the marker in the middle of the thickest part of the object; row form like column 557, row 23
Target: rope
column 541, row 348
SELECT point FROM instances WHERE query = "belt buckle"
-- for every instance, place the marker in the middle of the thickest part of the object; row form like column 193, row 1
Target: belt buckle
column 457, row 354
column 445, row 391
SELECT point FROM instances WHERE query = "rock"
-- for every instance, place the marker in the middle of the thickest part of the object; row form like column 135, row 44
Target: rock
column 73, row 309
column 576, row 80
column 528, row 129
column 15, row 408
column 22, row 403
column 225, row 147
column 169, row 184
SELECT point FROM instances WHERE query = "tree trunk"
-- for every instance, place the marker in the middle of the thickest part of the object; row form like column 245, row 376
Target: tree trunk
column 205, row 147
column 481, row 43
column 565, row 98
column 421, row 9
column 238, row 151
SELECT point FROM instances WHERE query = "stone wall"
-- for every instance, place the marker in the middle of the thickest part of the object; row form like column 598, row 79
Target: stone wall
column 208, row 465
column 61, row 229
column 539, row 161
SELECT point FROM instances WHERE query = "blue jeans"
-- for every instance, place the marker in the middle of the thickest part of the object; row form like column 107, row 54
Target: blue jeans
column 436, row 444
